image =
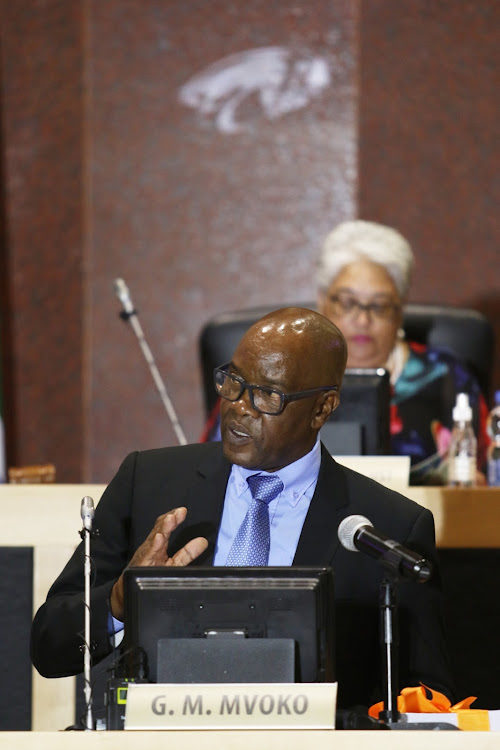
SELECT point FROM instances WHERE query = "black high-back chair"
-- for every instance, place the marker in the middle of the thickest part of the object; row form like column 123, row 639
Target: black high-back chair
column 466, row 333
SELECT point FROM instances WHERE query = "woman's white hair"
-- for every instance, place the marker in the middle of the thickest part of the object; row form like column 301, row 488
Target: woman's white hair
column 365, row 240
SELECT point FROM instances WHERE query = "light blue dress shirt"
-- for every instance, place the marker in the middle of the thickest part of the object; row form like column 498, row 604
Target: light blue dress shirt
column 287, row 511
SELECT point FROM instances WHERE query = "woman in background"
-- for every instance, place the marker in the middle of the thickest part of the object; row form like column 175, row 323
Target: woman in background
column 363, row 274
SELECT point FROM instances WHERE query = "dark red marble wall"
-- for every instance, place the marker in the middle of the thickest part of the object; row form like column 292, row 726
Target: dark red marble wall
column 146, row 139
column 42, row 243
column 204, row 194
column 223, row 147
column 429, row 145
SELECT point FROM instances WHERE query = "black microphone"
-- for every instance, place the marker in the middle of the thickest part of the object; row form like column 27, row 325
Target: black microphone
column 356, row 533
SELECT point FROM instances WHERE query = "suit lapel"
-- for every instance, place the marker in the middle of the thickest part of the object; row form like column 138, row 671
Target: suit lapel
column 204, row 500
column 318, row 541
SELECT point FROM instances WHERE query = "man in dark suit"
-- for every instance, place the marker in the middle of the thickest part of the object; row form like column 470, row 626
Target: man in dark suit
column 281, row 385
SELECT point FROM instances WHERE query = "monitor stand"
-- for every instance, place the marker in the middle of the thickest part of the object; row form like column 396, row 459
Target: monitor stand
column 225, row 658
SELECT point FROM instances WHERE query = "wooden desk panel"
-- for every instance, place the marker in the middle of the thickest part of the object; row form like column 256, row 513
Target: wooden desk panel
column 468, row 518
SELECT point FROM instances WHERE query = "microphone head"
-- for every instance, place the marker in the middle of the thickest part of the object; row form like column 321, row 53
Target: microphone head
column 348, row 529
column 120, row 287
column 87, row 511
column 123, row 294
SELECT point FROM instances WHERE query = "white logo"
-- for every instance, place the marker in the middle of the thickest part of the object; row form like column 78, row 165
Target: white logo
column 281, row 82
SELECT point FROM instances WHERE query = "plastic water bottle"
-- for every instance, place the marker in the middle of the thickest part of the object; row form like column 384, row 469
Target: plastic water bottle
column 462, row 454
column 493, row 428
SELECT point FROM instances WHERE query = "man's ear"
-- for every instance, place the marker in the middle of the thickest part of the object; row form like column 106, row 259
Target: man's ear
column 326, row 404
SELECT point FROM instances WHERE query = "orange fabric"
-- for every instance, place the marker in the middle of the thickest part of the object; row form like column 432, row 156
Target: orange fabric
column 415, row 700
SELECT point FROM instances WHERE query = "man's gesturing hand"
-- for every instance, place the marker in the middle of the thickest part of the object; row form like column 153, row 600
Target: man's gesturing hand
column 154, row 552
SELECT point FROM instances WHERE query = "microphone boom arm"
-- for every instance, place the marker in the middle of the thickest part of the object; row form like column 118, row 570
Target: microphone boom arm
column 129, row 314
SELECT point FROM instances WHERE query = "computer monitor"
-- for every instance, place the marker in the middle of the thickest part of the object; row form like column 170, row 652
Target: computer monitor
column 360, row 425
column 225, row 624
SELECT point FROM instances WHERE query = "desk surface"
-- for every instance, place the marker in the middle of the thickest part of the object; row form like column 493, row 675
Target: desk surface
column 248, row 740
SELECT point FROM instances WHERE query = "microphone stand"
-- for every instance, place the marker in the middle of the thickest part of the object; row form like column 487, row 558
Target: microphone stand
column 388, row 600
column 129, row 314
column 388, row 612
column 87, row 503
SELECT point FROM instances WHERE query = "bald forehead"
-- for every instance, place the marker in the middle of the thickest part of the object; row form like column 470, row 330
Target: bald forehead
column 292, row 326
column 297, row 325
column 300, row 333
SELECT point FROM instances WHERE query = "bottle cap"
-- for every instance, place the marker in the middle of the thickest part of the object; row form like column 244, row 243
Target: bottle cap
column 462, row 411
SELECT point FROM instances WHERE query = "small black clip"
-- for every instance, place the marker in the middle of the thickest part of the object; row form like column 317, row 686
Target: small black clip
column 124, row 315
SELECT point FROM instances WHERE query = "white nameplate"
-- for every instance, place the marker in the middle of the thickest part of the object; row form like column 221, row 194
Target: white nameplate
column 231, row 706
column 392, row 471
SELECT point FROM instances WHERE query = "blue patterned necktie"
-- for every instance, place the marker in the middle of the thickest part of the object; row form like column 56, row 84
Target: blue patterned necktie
column 251, row 543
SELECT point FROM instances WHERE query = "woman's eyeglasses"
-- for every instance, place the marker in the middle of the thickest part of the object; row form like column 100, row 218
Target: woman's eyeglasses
column 348, row 306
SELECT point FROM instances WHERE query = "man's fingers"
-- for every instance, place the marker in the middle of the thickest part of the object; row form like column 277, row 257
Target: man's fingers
column 159, row 536
column 190, row 552
column 157, row 551
column 151, row 552
column 167, row 523
column 154, row 551
column 173, row 518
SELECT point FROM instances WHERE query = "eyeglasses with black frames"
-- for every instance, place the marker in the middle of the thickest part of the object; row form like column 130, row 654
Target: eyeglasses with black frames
column 263, row 399
column 348, row 306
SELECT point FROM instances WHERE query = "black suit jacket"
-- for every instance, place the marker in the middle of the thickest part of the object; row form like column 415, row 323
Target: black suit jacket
column 149, row 483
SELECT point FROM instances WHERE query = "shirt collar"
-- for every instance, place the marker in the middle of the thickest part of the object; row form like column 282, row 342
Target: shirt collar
column 297, row 477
